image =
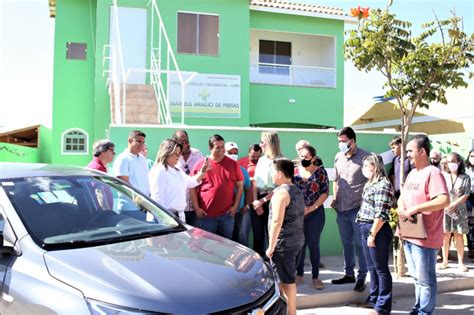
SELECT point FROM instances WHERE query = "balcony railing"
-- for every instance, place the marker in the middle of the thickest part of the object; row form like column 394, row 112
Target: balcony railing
column 279, row 74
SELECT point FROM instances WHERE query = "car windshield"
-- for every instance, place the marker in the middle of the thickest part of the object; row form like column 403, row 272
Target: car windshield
column 73, row 211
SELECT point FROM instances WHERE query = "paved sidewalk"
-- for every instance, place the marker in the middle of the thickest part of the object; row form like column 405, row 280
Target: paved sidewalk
column 452, row 303
column 449, row 280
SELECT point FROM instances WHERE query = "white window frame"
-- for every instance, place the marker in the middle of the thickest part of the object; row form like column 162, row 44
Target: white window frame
column 63, row 148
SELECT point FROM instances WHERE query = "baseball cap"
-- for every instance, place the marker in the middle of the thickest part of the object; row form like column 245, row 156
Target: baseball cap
column 231, row 145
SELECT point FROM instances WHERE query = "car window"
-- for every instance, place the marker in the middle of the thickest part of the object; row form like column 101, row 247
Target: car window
column 72, row 211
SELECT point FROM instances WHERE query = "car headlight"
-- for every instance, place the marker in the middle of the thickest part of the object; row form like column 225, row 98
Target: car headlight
column 101, row 308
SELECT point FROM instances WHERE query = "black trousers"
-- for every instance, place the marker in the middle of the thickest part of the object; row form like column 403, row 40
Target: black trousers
column 260, row 228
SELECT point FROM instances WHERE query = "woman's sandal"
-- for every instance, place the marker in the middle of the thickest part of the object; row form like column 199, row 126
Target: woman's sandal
column 443, row 266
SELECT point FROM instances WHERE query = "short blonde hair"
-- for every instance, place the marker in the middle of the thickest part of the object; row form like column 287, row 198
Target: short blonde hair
column 167, row 147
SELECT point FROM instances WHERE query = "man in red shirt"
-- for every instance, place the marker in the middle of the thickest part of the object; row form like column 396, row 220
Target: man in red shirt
column 104, row 152
column 217, row 198
column 424, row 192
column 250, row 161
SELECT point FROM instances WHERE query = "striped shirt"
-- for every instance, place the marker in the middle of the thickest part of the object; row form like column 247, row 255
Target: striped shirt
column 377, row 199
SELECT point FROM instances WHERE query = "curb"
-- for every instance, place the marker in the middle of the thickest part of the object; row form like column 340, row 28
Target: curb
column 400, row 289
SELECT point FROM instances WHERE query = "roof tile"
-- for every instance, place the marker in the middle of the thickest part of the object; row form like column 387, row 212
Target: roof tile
column 303, row 7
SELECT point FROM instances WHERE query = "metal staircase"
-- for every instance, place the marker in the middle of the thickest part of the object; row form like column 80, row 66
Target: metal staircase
column 143, row 103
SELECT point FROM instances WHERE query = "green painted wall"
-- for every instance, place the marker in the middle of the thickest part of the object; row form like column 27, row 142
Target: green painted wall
column 324, row 141
column 44, row 144
column 17, row 153
column 73, row 87
column 314, row 106
column 233, row 55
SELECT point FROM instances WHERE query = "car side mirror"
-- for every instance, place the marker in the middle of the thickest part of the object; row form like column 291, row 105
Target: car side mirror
column 5, row 247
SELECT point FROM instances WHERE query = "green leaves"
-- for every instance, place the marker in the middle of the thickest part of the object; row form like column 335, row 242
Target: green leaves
column 417, row 70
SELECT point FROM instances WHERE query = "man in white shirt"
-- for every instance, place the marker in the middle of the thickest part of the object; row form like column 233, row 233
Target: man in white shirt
column 187, row 160
column 131, row 166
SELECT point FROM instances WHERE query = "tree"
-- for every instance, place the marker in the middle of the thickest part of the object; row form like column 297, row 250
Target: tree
column 417, row 71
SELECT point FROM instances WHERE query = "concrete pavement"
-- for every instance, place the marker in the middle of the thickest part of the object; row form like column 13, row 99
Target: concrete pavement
column 449, row 280
column 452, row 303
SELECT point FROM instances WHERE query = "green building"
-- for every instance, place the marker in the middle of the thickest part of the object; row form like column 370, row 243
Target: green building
column 233, row 67
column 248, row 63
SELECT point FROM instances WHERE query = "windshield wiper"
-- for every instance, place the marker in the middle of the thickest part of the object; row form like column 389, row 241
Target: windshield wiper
column 80, row 243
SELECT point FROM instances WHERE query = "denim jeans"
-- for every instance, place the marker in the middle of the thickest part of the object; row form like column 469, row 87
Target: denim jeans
column 192, row 218
column 222, row 225
column 380, row 296
column 350, row 236
column 313, row 227
column 421, row 263
column 242, row 226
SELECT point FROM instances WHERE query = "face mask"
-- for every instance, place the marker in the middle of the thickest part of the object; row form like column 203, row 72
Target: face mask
column 471, row 161
column 368, row 174
column 344, row 147
column 234, row 157
column 453, row 167
column 435, row 163
column 305, row 163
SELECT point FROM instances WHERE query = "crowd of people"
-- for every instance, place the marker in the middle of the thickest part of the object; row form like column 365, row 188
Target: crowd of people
column 281, row 201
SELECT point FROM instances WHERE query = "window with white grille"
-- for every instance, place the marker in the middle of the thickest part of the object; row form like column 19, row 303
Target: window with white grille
column 75, row 141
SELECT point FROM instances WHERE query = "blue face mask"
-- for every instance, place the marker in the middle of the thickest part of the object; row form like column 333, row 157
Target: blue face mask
column 344, row 147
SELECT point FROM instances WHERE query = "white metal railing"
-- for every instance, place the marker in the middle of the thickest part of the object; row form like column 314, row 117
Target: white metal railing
column 162, row 64
column 281, row 74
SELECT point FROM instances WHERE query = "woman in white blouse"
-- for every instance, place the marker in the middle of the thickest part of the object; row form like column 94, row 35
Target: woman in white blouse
column 263, row 189
column 168, row 184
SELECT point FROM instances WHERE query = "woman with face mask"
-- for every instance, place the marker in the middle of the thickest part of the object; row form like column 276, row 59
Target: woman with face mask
column 373, row 219
column 455, row 215
column 470, row 203
column 312, row 179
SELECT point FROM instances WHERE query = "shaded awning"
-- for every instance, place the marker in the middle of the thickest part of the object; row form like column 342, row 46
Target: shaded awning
column 27, row 136
column 386, row 115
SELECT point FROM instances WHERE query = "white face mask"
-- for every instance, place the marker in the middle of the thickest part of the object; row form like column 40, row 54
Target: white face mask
column 234, row 157
column 368, row 174
column 344, row 147
column 471, row 161
column 453, row 167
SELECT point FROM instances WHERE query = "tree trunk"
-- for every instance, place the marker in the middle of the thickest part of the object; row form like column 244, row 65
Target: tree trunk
column 399, row 256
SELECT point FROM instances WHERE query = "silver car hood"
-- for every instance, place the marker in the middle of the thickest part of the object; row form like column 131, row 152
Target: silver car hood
column 187, row 272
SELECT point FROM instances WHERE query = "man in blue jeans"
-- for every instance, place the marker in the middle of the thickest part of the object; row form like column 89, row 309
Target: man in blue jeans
column 348, row 185
column 424, row 192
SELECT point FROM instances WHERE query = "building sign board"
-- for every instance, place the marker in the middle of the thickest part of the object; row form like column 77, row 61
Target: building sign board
column 205, row 96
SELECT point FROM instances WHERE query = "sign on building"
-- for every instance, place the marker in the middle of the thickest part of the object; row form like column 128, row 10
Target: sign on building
column 205, row 96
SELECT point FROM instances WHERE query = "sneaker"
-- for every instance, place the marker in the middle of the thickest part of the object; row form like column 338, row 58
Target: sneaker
column 318, row 284
column 299, row 279
column 360, row 285
column 463, row 268
column 344, row 280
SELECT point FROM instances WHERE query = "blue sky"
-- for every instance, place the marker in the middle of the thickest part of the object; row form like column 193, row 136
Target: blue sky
column 26, row 53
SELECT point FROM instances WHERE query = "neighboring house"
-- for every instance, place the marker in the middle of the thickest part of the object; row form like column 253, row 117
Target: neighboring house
column 265, row 63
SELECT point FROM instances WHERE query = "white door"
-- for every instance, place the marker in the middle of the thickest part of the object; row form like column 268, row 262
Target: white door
column 132, row 27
